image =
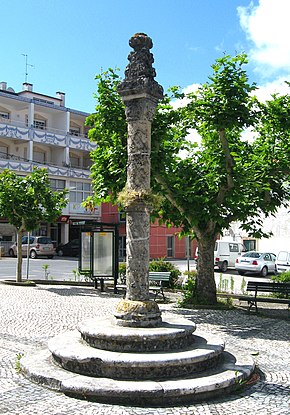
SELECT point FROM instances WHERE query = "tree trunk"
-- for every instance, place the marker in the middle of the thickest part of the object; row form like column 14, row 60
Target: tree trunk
column 206, row 287
column 19, row 255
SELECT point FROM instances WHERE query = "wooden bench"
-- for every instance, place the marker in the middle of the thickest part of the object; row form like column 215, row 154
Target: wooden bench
column 159, row 278
column 266, row 287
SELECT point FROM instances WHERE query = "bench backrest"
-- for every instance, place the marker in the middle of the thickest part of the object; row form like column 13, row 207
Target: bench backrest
column 269, row 287
column 159, row 276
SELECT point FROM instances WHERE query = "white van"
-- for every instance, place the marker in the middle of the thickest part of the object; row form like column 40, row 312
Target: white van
column 226, row 253
column 283, row 261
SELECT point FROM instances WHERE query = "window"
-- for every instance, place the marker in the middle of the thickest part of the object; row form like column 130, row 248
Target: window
column 57, row 184
column 5, row 115
column 122, row 248
column 75, row 131
column 87, row 162
column 79, row 191
column 283, row 255
column 3, row 152
column 250, row 244
column 75, row 161
column 122, row 217
column 234, row 247
column 170, row 246
column 39, row 156
column 39, row 124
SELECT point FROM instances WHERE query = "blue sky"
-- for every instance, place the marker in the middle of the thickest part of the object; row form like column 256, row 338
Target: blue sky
column 69, row 41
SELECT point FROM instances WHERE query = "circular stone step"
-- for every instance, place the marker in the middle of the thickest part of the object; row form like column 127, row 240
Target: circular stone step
column 73, row 354
column 229, row 375
column 172, row 334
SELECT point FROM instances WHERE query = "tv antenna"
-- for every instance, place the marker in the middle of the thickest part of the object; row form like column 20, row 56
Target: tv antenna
column 26, row 66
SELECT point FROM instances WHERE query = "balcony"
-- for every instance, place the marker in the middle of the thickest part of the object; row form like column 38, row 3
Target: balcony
column 10, row 128
column 16, row 163
column 16, row 130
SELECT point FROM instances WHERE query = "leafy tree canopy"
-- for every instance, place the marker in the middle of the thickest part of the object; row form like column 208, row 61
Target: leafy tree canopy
column 25, row 201
column 205, row 184
column 28, row 200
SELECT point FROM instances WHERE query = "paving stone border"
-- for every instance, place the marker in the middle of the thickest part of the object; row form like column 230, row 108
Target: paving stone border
column 29, row 318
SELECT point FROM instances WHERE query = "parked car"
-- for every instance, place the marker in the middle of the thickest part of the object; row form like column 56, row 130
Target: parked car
column 226, row 253
column 256, row 262
column 72, row 248
column 283, row 261
column 39, row 246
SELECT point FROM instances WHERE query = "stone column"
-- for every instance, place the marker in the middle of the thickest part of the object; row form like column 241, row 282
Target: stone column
column 140, row 94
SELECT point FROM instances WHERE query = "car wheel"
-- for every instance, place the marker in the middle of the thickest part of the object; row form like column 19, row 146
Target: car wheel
column 33, row 254
column 241, row 272
column 224, row 266
column 264, row 272
column 11, row 253
column 60, row 252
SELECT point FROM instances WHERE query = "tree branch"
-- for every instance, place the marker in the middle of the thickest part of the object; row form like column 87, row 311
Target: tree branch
column 229, row 168
column 170, row 196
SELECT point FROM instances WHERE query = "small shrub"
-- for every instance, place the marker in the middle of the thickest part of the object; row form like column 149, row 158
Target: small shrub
column 183, row 281
column 17, row 363
column 243, row 285
column 46, row 271
column 189, row 289
column 122, row 272
column 232, row 284
column 159, row 265
column 86, row 275
column 283, row 277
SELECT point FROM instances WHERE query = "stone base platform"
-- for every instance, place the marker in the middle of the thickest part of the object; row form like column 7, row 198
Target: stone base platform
column 198, row 370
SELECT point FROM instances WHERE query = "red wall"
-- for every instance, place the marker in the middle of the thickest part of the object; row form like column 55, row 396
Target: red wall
column 158, row 234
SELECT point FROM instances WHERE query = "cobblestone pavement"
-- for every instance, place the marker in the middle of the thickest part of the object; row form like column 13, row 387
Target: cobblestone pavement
column 32, row 315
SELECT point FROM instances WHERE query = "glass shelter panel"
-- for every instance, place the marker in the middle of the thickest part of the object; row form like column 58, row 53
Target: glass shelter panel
column 103, row 254
column 85, row 251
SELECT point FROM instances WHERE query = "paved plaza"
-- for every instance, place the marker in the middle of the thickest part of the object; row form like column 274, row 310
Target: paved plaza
column 32, row 315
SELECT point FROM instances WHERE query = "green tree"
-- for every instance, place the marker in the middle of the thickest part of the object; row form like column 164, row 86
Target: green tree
column 25, row 201
column 203, row 186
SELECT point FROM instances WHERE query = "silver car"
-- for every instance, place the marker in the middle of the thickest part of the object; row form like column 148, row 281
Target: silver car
column 256, row 262
column 39, row 246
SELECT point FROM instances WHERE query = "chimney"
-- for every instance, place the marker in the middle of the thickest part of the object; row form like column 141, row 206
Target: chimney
column 3, row 86
column 27, row 87
column 61, row 96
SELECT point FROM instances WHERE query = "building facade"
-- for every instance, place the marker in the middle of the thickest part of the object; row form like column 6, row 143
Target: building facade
column 37, row 130
column 164, row 242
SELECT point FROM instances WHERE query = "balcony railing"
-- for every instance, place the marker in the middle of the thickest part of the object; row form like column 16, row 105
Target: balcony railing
column 18, row 129
column 13, row 162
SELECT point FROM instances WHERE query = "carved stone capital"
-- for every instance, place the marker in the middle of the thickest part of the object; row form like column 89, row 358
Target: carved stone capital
column 141, row 108
column 139, row 74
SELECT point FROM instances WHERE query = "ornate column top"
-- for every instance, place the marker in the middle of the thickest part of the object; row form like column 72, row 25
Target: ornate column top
column 139, row 73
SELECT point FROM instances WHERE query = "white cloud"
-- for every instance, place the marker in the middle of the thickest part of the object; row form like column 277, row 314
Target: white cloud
column 267, row 26
column 277, row 86
column 183, row 102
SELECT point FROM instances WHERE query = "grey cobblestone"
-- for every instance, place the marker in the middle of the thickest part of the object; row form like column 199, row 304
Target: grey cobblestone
column 30, row 316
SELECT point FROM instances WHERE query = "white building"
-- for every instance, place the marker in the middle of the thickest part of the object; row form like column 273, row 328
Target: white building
column 278, row 227
column 39, row 130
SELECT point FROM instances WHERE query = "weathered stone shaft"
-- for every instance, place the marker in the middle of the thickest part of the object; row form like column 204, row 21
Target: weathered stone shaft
column 140, row 94
column 139, row 114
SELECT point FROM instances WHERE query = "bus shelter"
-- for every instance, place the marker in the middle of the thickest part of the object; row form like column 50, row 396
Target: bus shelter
column 99, row 257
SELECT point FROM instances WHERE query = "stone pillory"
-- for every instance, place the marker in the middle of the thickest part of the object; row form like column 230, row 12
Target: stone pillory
column 140, row 94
